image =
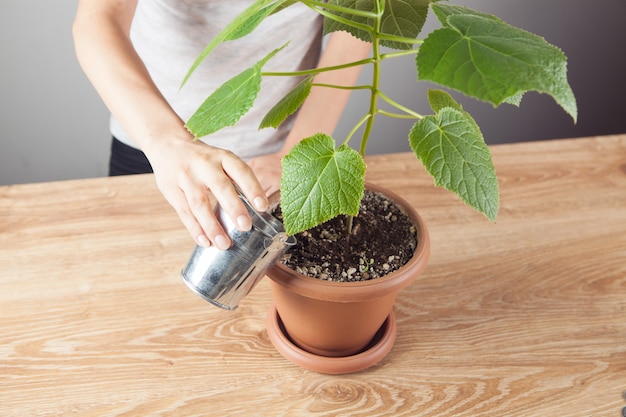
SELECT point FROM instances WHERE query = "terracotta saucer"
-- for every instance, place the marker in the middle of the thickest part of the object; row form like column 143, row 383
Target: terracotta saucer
column 371, row 355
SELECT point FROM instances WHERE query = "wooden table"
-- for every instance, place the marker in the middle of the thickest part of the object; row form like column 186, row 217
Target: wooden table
column 525, row 317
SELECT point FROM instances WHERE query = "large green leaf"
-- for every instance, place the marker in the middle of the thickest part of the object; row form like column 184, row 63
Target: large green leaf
column 452, row 149
column 402, row 18
column 226, row 105
column 486, row 58
column 288, row 104
column 239, row 27
column 319, row 183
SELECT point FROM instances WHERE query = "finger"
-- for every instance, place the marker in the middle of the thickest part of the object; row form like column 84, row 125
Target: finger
column 178, row 201
column 199, row 207
column 243, row 175
column 226, row 194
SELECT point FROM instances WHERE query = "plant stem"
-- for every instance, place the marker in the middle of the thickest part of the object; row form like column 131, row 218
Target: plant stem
column 343, row 87
column 396, row 115
column 400, row 53
column 355, row 128
column 349, row 225
column 380, row 8
column 399, row 106
column 376, row 56
column 400, row 39
column 315, row 71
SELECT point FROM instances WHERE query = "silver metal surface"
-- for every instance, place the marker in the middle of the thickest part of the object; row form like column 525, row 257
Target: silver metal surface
column 225, row 277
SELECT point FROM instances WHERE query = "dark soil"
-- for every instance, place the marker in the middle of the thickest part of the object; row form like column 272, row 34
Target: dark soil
column 383, row 239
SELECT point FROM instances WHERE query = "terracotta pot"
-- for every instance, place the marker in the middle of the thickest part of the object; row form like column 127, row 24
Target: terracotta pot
column 340, row 319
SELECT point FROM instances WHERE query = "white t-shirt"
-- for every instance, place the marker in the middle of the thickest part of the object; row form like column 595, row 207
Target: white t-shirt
column 170, row 34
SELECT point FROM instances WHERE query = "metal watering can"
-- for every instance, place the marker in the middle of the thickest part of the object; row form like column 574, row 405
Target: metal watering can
column 225, row 277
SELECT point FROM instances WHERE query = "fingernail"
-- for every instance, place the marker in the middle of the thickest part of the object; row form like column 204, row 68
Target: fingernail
column 260, row 203
column 222, row 242
column 243, row 223
column 203, row 241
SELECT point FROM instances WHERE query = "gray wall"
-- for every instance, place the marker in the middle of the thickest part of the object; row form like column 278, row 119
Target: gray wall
column 53, row 126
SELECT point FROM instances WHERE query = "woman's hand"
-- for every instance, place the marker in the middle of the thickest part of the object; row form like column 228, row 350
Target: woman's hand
column 187, row 172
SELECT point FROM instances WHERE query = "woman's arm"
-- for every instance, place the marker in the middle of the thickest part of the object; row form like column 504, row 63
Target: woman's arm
column 184, row 169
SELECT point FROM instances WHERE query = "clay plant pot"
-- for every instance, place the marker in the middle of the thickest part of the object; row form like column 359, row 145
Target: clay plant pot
column 341, row 327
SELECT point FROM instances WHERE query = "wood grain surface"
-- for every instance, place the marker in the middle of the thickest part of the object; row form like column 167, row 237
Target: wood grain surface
column 522, row 317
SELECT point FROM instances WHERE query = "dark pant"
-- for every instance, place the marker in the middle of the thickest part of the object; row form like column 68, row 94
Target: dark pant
column 126, row 160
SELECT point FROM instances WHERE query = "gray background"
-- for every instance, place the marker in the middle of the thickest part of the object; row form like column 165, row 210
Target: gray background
column 54, row 126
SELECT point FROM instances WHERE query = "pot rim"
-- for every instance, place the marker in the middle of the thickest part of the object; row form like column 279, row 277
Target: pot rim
column 362, row 290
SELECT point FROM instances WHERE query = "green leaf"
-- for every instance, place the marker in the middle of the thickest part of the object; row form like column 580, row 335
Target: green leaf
column 229, row 102
column 239, row 27
column 249, row 24
column 288, row 104
column 320, row 183
column 452, row 149
column 486, row 58
column 439, row 99
column 401, row 18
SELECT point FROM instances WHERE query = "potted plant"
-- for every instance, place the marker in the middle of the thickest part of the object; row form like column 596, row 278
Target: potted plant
column 473, row 53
